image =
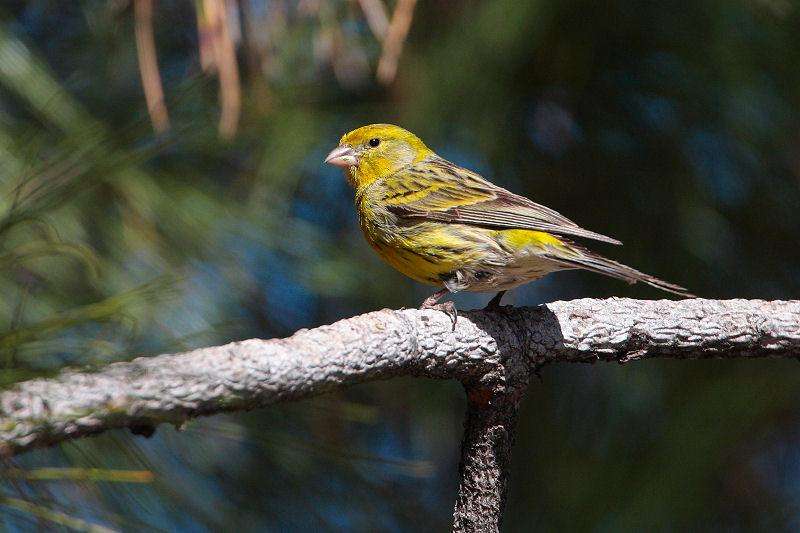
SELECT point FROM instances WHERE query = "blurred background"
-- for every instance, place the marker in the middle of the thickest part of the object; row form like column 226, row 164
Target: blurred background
column 162, row 188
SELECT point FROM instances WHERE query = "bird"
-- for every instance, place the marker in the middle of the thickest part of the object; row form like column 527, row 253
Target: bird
column 447, row 226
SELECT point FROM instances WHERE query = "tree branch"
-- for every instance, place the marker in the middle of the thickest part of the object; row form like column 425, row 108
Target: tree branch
column 489, row 432
column 490, row 352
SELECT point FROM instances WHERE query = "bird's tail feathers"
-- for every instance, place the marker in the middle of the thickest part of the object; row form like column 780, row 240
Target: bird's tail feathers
column 582, row 258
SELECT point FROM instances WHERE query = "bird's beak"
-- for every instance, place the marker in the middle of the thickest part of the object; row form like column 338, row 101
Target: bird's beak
column 342, row 156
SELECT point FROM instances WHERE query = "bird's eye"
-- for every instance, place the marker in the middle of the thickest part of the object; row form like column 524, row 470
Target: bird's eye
column 374, row 142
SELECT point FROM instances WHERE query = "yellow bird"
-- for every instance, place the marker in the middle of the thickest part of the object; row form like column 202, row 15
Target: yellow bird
column 443, row 225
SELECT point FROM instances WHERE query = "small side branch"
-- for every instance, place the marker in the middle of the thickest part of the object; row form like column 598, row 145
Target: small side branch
column 394, row 40
column 148, row 65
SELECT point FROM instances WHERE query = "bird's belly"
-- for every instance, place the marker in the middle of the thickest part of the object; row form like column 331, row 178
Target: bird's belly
column 513, row 274
column 518, row 259
column 523, row 261
column 414, row 263
column 425, row 253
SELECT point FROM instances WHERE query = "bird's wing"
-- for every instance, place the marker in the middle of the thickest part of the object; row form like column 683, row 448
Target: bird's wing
column 439, row 190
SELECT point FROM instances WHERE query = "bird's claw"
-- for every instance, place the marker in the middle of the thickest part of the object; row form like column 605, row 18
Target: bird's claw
column 449, row 308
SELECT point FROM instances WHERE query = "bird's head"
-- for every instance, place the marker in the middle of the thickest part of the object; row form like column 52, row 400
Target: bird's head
column 375, row 151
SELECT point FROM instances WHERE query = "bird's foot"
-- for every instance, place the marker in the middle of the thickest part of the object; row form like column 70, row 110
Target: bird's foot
column 449, row 308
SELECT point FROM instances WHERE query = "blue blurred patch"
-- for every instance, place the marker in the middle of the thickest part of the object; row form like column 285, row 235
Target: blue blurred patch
column 657, row 113
column 717, row 164
column 552, row 128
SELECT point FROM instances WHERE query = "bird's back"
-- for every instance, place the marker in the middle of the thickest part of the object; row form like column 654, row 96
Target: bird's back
column 441, row 224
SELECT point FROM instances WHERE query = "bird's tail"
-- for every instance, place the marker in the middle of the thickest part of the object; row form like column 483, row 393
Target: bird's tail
column 579, row 257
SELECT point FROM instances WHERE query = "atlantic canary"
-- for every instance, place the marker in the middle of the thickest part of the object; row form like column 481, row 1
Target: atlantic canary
column 444, row 225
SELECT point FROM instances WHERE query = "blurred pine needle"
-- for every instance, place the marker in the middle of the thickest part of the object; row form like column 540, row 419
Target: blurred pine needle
column 82, row 474
column 56, row 517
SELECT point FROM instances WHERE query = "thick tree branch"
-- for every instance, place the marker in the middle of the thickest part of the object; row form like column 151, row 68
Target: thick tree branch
column 381, row 345
column 491, row 353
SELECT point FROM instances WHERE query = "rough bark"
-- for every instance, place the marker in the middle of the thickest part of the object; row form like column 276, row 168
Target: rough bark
column 490, row 352
column 489, row 432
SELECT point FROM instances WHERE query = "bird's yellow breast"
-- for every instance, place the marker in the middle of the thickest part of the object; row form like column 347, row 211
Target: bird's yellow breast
column 425, row 252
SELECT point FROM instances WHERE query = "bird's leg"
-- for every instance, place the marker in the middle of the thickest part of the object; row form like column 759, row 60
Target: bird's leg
column 432, row 302
column 494, row 303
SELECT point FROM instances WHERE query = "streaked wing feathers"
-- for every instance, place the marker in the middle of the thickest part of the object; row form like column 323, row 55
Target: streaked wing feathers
column 439, row 190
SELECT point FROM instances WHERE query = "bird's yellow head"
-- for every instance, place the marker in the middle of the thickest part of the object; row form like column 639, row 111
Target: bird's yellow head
column 375, row 151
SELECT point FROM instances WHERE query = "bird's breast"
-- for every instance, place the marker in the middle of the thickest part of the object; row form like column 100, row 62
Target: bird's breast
column 424, row 252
